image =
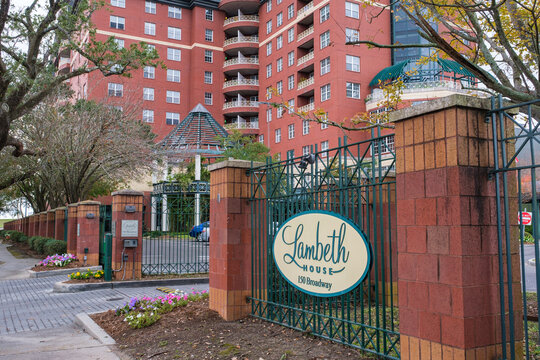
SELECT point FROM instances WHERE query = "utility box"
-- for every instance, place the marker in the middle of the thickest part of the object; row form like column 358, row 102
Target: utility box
column 130, row 243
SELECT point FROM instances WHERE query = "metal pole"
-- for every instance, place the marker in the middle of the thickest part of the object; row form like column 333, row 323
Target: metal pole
column 197, row 194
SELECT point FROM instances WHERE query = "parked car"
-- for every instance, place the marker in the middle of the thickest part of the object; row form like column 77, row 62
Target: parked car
column 201, row 232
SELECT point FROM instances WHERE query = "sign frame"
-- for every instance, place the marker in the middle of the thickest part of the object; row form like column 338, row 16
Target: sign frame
column 126, row 228
column 363, row 236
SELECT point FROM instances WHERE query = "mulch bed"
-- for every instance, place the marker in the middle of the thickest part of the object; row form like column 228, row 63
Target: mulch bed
column 76, row 281
column 71, row 265
column 532, row 307
column 24, row 249
column 196, row 332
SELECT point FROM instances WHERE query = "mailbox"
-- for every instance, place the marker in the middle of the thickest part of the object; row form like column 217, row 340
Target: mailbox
column 130, row 243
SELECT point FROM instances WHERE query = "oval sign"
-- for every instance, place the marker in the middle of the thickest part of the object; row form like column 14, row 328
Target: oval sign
column 321, row 253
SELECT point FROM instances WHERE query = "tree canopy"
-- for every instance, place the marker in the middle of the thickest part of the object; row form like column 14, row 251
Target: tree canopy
column 243, row 147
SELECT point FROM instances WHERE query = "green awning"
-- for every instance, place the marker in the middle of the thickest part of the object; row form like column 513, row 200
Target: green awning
column 390, row 73
column 452, row 66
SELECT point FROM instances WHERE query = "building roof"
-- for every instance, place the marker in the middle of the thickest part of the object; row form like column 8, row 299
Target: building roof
column 199, row 133
column 400, row 69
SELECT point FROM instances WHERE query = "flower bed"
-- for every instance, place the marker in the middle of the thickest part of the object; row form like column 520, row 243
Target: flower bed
column 56, row 261
column 87, row 275
column 143, row 312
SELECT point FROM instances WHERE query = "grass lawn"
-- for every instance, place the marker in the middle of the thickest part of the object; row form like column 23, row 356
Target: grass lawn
column 3, row 221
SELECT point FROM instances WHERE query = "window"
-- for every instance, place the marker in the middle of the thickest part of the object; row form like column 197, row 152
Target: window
column 290, row 105
column 208, row 77
column 268, row 115
column 278, row 2
column 208, row 35
column 173, row 54
column 305, row 127
column 268, row 93
column 290, row 35
column 387, row 145
column 174, row 33
column 149, row 7
column 290, row 11
column 291, row 131
column 279, row 42
column 290, row 154
column 290, row 82
column 268, row 70
column 279, row 64
column 261, row 138
column 325, row 66
column 324, row 146
column 353, row 63
column 173, row 75
column 208, row 56
column 116, row 89
column 305, row 150
column 209, row 14
column 325, row 13
column 325, row 92
column 269, row 27
column 118, row 3
column 148, row 116
column 119, row 43
column 353, row 90
column 290, row 58
column 173, row 97
column 118, row 22
column 207, row 98
column 149, row 72
column 150, row 47
column 172, row 118
column 352, row 10
column 279, row 112
column 148, row 94
column 175, row 12
column 279, row 87
column 324, row 123
column 279, row 19
column 278, row 156
column 269, row 48
column 278, row 135
column 149, row 28
column 325, row 39
column 269, row 6
column 352, row 35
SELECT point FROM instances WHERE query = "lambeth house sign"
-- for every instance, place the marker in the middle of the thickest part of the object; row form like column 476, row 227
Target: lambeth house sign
column 321, row 253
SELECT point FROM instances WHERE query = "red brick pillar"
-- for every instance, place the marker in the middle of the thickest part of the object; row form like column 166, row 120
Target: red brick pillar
column 30, row 225
column 88, row 232
column 127, row 215
column 72, row 229
column 59, row 217
column 230, row 244
column 50, row 223
column 447, row 241
column 43, row 224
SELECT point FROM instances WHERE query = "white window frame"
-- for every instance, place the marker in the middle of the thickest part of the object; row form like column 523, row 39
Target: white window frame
column 119, row 43
column 118, row 21
column 269, row 6
column 325, row 66
column 148, row 94
column 118, row 3
column 325, row 92
column 279, row 65
column 305, row 150
column 290, row 131
column 269, row 26
column 149, row 28
column 279, row 87
column 325, row 39
column 173, row 75
column 305, row 127
column 324, row 13
column 352, row 10
column 149, row 72
column 209, row 35
column 269, row 48
column 149, row 7
column 268, row 70
column 290, row 82
column 290, row 105
column 279, row 42
column 290, row 35
column 173, row 116
column 290, row 11
column 174, row 33
column 290, row 58
column 268, row 115
column 115, row 89
column 261, row 138
column 208, row 98
column 208, row 77
column 174, row 12
column 387, row 144
column 148, row 115
column 352, row 34
column 352, row 90
column 209, row 14
column 324, row 123
column 174, row 54
column 324, row 146
column 351, row 63
column 279, row 19
column 277, row 134
column 173, row 97
column 208, row 56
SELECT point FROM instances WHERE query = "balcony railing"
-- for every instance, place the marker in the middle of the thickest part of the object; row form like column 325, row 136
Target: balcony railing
column 302, row 84
column 236, row 61
column 240, row 18
column 239, row 39
column 250, row 82
column 423, row 86
column 242, row 125
column 306, row 108
column 241, row 103
column 305, row 33
column 306, row 58
column 304, row 11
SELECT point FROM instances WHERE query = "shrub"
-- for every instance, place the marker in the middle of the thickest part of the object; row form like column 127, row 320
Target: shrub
column 31, row 240
column 39, row 244
column 53, row 246
column 16, row 236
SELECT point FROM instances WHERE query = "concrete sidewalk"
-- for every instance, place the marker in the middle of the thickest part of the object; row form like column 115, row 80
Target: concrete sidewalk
column 13, row 268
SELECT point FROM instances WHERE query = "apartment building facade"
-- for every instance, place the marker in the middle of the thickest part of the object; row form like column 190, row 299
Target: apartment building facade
column 235, row 57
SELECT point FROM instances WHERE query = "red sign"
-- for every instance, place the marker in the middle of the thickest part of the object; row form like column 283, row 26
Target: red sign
column 527, row 218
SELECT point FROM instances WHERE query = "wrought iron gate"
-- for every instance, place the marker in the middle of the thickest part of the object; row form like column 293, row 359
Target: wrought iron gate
column 167, row 220
column 517, row 145
column 356, row 181
column 105, row 240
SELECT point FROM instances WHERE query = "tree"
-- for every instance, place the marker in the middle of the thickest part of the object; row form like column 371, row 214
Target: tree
column 31, row 40
column 83, row 150
column 497, row 40
column 243, row 147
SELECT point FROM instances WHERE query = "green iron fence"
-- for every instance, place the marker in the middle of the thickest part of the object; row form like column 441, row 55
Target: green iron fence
column 167, row 220
column 516, row 142
column 356, row 181
column 105, row 240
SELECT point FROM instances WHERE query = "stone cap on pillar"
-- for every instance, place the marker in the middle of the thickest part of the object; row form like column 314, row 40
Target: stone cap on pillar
column 89, row 202
column 73, row 205
column 234, row 163
column 127, row 193
column 61, row 208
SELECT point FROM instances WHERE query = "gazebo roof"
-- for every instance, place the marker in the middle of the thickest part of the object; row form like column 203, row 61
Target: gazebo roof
column 197, row 133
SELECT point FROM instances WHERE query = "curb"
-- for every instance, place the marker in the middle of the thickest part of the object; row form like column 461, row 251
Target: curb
column 42, row 274
column 61, row 287
column 89, row 326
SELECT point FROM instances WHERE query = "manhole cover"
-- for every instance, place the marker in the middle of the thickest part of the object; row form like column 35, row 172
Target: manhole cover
column 115, row 299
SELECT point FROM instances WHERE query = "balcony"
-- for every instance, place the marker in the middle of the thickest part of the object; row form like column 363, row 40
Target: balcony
column 305, row 33
column 248, row 82
column 305, row 58
column 241, row 18
column 242, row 125
column 237, row 61
column 242, row 39
column 306, row 108
column 304, row 11
column 238, row 104
column 305, row 83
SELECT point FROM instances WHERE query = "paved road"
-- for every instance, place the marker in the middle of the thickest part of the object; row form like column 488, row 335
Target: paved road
column 530, row 270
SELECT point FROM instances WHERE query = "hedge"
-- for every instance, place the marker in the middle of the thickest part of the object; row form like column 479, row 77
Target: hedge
column 53, row 246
